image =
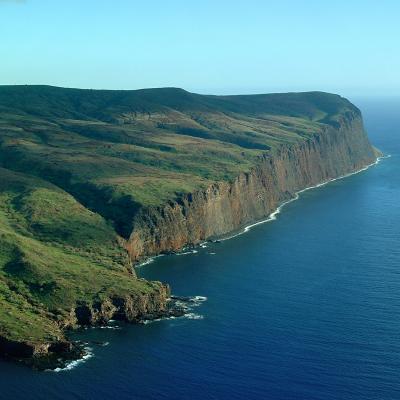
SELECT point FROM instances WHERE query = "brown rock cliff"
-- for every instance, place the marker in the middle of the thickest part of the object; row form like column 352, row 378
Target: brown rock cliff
column 225, row 207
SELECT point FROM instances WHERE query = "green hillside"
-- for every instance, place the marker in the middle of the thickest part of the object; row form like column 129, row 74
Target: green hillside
column 53, row 253
column 115, row 150
column 76, row 165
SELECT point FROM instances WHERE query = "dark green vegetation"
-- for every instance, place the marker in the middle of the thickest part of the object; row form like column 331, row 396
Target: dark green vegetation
column 76, row 165
column 53, row 253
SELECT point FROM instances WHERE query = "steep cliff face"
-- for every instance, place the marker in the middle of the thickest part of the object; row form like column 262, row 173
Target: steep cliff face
column 130, row 308
column 340, row 148
column 84, row 173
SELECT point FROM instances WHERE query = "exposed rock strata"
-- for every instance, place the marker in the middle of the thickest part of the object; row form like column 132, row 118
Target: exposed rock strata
column 134, row 308
column 222, row 208
column 225, row 207
column 129, row 308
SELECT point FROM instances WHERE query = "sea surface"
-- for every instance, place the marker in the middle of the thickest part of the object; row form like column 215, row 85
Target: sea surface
column 303, row 307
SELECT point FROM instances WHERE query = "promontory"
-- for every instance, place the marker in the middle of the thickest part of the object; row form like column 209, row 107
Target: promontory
column 94, row 181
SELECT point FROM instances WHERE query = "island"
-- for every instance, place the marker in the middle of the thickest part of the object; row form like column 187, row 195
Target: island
column 93, row 182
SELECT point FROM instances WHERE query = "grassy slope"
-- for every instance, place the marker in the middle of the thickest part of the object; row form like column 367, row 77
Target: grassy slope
column 53, row 253
column 77, row 164
column 116, row 150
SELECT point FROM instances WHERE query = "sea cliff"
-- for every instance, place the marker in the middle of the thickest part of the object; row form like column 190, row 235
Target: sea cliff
column 93, row 182
column 224, row 207
column 56, row 352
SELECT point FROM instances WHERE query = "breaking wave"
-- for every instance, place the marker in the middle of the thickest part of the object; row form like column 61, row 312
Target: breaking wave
column 187, row 304
column 73, row 364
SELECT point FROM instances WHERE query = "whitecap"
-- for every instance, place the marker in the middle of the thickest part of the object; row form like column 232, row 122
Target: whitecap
column 186, row 252
column 200, row 298
column 148, row 261
column 73, row 364
column 184, row 316
column 115, row 327
column 186, row 304
column 193, row 316
column 150, row 321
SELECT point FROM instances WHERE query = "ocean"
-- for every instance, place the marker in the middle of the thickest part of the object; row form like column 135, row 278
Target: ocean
column 306, row 306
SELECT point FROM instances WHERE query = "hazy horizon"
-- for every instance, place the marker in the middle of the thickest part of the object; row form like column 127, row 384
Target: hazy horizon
column 246, row 47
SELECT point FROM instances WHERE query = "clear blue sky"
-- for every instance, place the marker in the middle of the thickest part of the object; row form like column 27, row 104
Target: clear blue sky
column 217, row 46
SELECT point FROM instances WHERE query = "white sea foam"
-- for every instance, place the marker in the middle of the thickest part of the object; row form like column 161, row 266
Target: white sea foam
column 186, row 252
column 193, row 316
column 150, row 321
column 148, row 261
column 187, row 304
column 182, row 304
column 184, row 316
column 200, row 298
column 115, row 327
column 75, row 363
column 273, row 215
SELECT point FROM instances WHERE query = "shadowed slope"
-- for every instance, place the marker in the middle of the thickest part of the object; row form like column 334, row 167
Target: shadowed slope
column 79, row 168
column 127, row 149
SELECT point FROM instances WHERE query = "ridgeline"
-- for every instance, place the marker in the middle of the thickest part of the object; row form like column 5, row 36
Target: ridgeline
column 92, row 181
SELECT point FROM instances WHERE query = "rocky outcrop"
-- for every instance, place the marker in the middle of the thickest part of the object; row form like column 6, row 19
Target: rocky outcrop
column 156, row 303
column 130, row 308
column 40, row 355
column 15, row 349
column 340, row 148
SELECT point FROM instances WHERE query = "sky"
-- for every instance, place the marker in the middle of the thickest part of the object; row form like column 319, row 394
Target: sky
column 350, row 47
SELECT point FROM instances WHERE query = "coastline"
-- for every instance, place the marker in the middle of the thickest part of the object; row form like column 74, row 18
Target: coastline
column 183, row 307
column 271, row 217
column 88, row 351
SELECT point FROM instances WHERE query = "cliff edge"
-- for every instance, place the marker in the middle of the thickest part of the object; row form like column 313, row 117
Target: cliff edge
column 225, row 207
column 94, row 181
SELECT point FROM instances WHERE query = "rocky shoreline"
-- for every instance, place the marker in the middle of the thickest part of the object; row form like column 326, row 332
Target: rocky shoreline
column 56, row 355
column 201, row 216
column 225, row 207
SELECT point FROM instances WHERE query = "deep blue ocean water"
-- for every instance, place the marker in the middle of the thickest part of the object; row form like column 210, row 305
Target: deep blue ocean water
column 305, row 307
